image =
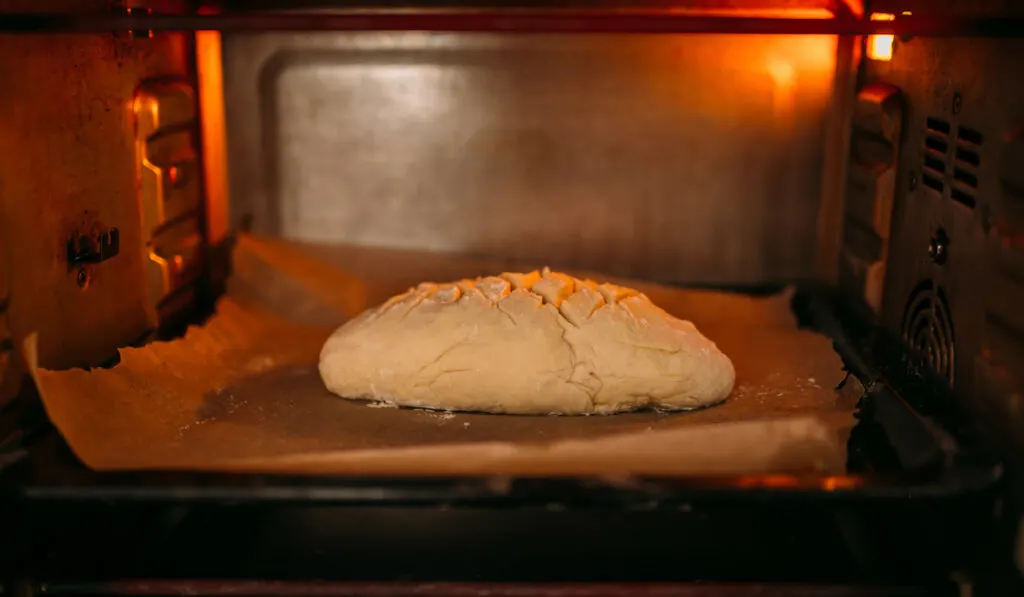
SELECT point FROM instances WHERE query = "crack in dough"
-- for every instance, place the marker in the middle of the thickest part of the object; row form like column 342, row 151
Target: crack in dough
column 539, row 342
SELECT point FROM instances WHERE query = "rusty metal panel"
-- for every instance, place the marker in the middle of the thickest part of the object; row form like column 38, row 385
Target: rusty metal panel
column 686, row 158
column 69, row 188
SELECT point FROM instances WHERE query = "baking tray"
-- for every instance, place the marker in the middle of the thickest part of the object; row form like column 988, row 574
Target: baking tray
column 241, row 393
column 894, row 453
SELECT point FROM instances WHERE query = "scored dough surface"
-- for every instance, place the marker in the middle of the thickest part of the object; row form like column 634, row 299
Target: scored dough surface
column 525, row 343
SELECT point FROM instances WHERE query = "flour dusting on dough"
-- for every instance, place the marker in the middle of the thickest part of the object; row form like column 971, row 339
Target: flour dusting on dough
column 540, row 342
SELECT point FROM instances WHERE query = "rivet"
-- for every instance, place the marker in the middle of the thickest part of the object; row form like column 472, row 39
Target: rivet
column 938, row 247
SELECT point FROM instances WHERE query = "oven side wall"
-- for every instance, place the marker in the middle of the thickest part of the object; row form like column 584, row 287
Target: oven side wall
column 954, row 280
column 70, row 170
column 951, row 277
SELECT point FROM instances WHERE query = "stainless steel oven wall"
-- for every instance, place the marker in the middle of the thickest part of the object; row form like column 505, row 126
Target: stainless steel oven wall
column 686, row 158
column 72, row 205
column 954, row 282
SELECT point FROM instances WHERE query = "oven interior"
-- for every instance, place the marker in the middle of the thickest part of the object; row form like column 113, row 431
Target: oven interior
column 873, row 171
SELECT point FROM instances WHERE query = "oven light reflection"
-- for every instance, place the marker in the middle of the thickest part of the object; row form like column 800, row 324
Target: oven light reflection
column 783, row 76
column 782, row 73
column 798, row 69
column 880, row 47
column 411, row 91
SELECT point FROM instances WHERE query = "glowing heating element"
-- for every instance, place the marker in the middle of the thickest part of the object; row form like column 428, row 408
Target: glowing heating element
column 211, row 100
column 879, row 47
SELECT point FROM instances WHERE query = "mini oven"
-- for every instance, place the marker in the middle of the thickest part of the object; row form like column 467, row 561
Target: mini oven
column 867, row 155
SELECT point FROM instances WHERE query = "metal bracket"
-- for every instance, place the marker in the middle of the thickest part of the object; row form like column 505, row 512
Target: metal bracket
column 93, row 248
column 168, row 168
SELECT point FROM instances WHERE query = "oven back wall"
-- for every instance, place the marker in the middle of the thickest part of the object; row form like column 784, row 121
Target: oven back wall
column 681, row 158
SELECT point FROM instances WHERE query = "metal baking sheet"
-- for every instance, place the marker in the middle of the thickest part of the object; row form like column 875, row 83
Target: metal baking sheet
column 241, row 393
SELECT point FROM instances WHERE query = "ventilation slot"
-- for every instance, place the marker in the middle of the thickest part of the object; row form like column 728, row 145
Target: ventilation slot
column 932, row 183
column 966, row 163
column 938, row 146
column 968, row 157
column 934, row 164
column 962, row 197
column 937, row 126
column 967, row 135
column 965, row 177
column 928, row 329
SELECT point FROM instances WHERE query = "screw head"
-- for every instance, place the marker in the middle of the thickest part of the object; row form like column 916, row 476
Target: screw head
column 82, row 278
column 938, row 247
column 958, row 103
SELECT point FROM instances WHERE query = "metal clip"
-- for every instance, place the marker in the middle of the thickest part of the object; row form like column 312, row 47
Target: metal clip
column 85, row 248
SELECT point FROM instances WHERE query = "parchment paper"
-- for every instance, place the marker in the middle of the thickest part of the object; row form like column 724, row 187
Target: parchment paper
column 241, row 393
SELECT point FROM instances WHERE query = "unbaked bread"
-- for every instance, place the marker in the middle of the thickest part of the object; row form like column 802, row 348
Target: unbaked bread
column 525, row 343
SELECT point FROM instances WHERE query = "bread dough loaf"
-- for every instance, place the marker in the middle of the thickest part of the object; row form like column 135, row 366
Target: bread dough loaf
column 525, row 343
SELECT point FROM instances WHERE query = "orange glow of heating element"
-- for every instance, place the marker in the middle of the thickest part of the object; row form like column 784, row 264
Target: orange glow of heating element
column 211, row 102
column 880, row 46
column 782, row 73
column 755, row 12
column 783, row 76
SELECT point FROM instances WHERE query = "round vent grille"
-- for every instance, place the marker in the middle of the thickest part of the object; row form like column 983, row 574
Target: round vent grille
column 928, row 329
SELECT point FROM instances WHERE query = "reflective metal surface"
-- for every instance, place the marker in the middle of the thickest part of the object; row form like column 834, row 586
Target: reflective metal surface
column 169, row 191
column 959, row 167
column 687, row 158
column 68, row 171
